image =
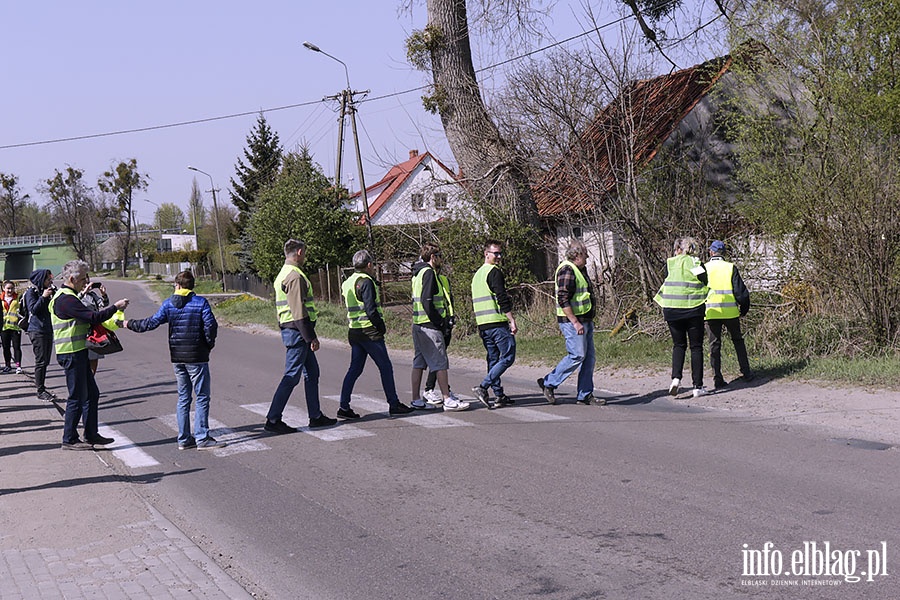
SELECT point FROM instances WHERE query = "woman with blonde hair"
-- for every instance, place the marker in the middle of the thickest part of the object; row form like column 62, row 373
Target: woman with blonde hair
column 682, row 297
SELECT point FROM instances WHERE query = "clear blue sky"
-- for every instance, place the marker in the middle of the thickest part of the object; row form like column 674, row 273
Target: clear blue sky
column 74, row 69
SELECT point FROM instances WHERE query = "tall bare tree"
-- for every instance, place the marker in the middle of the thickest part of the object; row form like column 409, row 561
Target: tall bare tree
column 12, row 203
column 122, row 181
column 72, row 202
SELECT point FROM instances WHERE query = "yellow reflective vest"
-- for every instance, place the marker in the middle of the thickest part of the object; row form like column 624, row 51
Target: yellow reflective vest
column 484, row 302
column 69, row 335
column 11, row 315
column 356, row 311
column 441, row 300
column 681, row 289
column 282, row 309
column 581, row 300
column 720, row 302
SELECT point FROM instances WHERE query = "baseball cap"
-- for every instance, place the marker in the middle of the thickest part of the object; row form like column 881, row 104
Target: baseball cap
column 717, row 246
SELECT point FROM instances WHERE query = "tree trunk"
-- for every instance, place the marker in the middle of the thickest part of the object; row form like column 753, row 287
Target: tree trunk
column 489, row 167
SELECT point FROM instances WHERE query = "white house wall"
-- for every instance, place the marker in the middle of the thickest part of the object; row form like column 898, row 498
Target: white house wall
column 399, row 210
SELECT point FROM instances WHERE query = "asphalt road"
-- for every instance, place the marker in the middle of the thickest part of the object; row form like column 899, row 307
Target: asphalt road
column 637, row 499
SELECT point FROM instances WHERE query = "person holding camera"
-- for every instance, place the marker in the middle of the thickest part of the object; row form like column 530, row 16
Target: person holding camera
column 431, row 330
column 40, row 327
column 95, row 298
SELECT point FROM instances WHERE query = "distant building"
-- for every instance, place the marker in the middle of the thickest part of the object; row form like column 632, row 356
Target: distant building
column 420, row 190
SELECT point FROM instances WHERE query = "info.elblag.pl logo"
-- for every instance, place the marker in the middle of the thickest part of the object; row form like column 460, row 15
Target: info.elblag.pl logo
column 813, row 563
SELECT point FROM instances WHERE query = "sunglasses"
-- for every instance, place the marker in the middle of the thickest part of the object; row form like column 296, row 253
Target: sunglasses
column 497, row 254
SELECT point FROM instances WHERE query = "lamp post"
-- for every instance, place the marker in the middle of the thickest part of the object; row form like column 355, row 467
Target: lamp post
column 158, row 223
column 347, row 105
column 216, row 211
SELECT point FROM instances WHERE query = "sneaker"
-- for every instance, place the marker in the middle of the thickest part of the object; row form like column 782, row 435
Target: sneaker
column 347, row 413
column 599, row 401
column 586, row 400
column 504, row 400
column 400, row 409
column 455, row 405
column 419, row 404
column 45, row 395
column 700, row 391
column 5, row 370
column 454, row 397
column 719, row 384
column 482, row 395
column 433, row 396
column 19, row 370
column 210, row 443
column 547, row 390
column 279, row 427
column 322, row 421
column 98, row 440
column 191, row 443
column 673, row 388
column 79, row 445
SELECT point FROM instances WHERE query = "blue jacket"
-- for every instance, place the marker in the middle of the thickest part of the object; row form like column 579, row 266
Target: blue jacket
column 192, row 327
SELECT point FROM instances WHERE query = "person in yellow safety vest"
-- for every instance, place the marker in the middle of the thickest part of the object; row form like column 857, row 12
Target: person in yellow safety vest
column 432, row 324
column 11, row 333
column 728, row 300
column 95, row 297
column 366, row 336
column 430, row 394
column 496, row 324
column 72, row 322
column 296, row 312
column 682, row 297
column 575, row 309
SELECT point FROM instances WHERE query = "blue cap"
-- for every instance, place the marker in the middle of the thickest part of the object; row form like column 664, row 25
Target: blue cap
column 717, row 247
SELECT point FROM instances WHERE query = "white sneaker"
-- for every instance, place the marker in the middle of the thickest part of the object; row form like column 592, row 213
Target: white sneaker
column 433, row 396
column 18, row 370
column 454, row 397
column 673, row 389
column 455, row 405
column 420, row 404
column 700, row 391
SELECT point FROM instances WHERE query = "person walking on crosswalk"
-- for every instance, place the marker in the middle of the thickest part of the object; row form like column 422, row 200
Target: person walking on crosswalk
column 296, row 312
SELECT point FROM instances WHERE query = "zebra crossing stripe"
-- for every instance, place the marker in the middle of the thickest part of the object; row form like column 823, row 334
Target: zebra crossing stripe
column 236, row 441
column 529, row 415
column 436, row 420
column 126, row 450
column 295, row 415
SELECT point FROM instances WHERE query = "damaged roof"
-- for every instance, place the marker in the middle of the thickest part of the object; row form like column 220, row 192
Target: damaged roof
column 648, row 111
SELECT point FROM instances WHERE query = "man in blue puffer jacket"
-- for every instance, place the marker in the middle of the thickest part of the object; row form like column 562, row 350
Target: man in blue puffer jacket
column 192, row 334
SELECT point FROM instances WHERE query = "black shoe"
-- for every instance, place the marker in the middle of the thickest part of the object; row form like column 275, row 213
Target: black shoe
column 547, row 390
column 45, row 396
column 322, row 421
column 279, row 427
column 347, row 413
column 98, row 440
column 79, row 445
column 586, row 400
column 748, row 377
column 504, row 400
column 718, row 384
column 400, row 409
column 191, row 443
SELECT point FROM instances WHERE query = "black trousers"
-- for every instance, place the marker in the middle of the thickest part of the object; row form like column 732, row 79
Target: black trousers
column 686, row 331
column 42, row 344
column 714, row 329
column 12, row 338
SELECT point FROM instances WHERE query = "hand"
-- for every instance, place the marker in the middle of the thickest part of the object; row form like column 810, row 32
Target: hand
column 122, row 304
column 579, row 327
column 512, row 326
column 48, row 292
column 122, row 324
column 314, row 345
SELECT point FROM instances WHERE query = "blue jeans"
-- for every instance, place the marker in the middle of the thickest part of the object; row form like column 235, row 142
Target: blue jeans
column 299, row 362
column 84, row 396
column 580, row 353
column 359, row 350
column 192, row 376
column 500, row 344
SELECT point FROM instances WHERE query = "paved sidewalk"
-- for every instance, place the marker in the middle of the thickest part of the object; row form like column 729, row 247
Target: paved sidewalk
column 71, row 528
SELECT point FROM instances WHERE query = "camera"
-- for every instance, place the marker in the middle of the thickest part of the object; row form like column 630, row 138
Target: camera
column 53, row 288
column 451, row 321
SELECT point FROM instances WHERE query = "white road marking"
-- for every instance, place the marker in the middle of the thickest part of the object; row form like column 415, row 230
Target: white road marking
column 529, row 415
column 126, row 450
column 236, row 441
column 429, row 420
column 296, row 415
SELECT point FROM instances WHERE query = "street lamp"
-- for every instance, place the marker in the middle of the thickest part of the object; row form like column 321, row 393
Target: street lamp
column 216, row 211
column 158, row 223
column 348, row 105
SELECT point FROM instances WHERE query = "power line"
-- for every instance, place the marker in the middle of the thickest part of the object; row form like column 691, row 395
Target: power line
column 300, row 104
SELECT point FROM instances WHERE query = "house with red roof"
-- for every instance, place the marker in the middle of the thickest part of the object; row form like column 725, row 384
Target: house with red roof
column 419, row 190
column 626, row 136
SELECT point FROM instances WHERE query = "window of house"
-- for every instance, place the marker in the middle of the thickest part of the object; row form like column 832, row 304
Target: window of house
column 418, row 201
column 440, row 201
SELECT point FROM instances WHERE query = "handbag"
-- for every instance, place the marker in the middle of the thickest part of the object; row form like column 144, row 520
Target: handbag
column 103, row 341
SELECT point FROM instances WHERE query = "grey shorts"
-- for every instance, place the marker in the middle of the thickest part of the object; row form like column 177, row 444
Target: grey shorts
column 431, row 353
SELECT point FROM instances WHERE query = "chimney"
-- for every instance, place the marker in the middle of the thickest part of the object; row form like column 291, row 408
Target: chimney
column 413, row 153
